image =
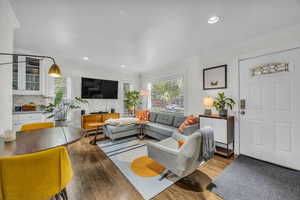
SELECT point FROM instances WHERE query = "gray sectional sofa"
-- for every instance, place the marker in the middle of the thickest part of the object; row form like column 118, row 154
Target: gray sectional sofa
column 160, row 126
column 116, row 132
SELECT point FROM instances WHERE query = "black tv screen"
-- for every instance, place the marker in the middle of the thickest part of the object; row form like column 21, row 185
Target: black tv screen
column 98, row 89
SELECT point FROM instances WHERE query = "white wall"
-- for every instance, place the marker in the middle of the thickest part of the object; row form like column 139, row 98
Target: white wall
column 192, row 68
column 102, row 104
column 8, row 23
column 75, row 72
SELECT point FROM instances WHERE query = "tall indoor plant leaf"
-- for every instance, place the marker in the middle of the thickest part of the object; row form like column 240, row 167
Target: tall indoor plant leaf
column 60, row 108
column 132, row 100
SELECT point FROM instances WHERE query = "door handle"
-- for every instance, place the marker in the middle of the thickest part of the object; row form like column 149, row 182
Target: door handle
column 242, row 106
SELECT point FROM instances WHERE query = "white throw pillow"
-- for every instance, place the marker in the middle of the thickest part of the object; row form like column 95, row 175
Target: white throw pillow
column 122, row 121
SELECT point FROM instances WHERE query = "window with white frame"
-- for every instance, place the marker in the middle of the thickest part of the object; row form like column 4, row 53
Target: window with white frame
column 126, row 89
column 167, row 95
column 60, row 85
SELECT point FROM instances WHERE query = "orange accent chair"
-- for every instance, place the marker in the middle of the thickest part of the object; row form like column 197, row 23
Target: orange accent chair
column 35, row 126
column 88, row 120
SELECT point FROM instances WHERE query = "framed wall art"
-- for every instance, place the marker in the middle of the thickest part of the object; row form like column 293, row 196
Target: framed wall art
column 215, row 77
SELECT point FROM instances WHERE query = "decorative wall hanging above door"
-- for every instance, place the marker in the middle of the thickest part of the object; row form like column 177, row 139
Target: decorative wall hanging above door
column 215, row 78
column 269, row 69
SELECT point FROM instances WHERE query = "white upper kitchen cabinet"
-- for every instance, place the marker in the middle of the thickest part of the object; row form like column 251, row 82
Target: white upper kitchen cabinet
column 28, row 76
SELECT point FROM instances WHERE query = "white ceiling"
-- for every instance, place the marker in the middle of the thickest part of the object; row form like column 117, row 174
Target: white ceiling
column 143, row 34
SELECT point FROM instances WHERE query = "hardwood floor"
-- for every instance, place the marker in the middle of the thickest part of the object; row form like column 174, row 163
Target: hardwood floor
column 97, row 178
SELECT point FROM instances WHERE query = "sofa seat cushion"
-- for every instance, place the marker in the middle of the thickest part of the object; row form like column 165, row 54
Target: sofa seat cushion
column 164, row 118
column 160, row 128
column 122, row 121
column 122, row 128
column 170, row 143
column 178, row 120
column 90, row 126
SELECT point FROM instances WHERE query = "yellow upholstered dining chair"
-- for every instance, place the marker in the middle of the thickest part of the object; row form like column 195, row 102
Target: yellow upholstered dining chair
column 35, row 126
column 37, row 176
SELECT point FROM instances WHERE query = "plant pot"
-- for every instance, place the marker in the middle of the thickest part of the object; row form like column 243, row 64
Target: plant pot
column 131, row 110
column 61, row 123
column 223, row 113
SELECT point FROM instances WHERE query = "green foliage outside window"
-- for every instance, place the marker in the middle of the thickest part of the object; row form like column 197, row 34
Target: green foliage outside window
column 167, row 96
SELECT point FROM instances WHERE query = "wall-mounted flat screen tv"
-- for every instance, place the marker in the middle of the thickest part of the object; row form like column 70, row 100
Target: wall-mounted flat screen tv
column 98, row 89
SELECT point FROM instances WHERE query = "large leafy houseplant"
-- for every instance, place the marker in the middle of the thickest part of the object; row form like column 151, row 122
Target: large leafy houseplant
column 61, row 107
column 132, row 99
column 222, row 103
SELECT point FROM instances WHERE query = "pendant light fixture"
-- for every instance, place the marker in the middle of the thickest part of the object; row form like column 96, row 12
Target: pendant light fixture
column 54, row 70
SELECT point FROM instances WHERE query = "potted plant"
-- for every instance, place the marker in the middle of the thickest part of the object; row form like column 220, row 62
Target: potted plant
column 132, row 100
column 222, row 103
column 61, row 107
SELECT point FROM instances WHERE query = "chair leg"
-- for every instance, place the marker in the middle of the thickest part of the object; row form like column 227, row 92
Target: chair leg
column 64, row 194
column 57, row 197
column 61, row 195
column 165, row 175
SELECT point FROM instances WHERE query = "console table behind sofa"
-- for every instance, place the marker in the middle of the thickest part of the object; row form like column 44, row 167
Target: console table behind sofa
column 223, row 132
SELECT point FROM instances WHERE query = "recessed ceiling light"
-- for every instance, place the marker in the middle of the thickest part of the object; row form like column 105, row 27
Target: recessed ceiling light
column 123, row 66
column 213, row 19
column 85, row 58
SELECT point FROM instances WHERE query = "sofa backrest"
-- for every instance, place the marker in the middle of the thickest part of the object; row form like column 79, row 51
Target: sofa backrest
column 167, row 118
column 178, row 120
column 192, row 146
column 153, row 116
column 164, row 118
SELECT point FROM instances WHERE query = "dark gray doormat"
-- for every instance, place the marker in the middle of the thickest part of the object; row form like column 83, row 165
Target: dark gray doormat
column 251, row 179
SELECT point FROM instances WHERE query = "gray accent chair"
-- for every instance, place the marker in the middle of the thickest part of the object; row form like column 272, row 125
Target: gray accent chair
column 116, row 132
column 181, row 161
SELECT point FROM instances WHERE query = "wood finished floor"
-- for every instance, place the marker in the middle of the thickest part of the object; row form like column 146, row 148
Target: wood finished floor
column 97, row 178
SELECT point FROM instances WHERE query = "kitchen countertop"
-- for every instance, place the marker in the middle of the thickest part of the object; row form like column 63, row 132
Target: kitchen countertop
column 27, row 112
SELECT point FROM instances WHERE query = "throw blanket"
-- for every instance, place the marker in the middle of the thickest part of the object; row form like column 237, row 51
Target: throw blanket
column 121, row 121
column 208, row 144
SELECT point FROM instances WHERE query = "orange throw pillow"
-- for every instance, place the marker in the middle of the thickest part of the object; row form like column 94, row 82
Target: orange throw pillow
column 190, row 120
column 180, row 143
column 142, row 115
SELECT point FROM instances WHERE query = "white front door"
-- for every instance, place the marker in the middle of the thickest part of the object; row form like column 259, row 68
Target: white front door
column 270, row 127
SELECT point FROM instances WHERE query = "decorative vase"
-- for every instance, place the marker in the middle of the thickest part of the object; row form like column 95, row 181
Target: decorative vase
column 223, row 113
column 61, row 123
column 131, row 110
column 9, row 135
